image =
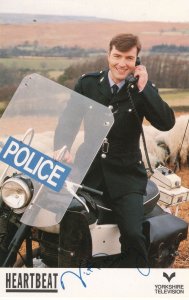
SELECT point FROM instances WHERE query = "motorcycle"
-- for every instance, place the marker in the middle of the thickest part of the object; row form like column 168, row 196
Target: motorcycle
column 63, row 223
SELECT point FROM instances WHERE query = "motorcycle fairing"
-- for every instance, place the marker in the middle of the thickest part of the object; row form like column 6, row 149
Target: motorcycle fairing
column 40, row 104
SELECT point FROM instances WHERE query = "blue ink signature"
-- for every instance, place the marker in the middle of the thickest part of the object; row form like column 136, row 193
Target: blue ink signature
column 78, row 275
column 144, row 274
column 89, row 270
column 146, row 269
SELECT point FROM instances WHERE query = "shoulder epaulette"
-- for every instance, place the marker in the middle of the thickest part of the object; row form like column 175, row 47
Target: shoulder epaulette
column 94, row 74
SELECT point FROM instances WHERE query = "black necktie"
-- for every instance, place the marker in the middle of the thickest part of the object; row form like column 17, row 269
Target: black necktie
column 115, row 89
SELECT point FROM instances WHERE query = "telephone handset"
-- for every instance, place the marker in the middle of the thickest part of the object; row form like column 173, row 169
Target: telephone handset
column 130, row 78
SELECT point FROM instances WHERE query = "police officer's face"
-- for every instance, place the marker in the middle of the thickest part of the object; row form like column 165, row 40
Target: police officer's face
column 121, row 64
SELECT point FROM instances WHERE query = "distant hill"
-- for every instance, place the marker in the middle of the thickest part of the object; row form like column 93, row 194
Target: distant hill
column 85, row 32
column 6, row 18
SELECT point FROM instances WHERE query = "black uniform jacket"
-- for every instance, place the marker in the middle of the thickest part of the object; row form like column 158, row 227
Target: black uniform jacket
column 122, row 170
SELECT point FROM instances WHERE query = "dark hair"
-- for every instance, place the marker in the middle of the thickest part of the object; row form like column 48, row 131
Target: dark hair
column 124, row 42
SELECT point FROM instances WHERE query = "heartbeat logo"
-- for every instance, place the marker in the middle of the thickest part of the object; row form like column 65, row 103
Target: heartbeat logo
column 169, row 277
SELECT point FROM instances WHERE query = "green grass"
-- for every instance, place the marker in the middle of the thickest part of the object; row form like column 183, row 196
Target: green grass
column 54, row 74
column 39, row 63
column 175, row 97
column 3, row 106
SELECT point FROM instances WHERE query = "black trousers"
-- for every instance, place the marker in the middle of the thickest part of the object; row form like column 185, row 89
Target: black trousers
column 129, row 214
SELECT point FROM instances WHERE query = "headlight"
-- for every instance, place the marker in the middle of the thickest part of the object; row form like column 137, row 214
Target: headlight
column 16, row 193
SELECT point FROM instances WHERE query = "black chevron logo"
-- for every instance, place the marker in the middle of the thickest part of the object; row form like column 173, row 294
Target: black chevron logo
column 169, row 277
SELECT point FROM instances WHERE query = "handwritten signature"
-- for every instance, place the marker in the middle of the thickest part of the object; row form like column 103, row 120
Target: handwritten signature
column 81, row 273
column 145, row 271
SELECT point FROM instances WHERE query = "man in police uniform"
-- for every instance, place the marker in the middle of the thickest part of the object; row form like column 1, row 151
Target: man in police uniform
column 120, row 173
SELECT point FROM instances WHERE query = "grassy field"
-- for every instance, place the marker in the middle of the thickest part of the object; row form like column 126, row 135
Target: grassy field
column 175, row 97
column 3, row 105
column 39, row 63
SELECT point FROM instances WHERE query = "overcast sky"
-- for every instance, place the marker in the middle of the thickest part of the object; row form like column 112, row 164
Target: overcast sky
column 127, row 10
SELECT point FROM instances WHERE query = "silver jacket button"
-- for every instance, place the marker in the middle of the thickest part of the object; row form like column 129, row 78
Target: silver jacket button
column 103, row 155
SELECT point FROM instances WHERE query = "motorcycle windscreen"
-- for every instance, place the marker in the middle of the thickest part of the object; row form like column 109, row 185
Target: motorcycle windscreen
column 57, row 118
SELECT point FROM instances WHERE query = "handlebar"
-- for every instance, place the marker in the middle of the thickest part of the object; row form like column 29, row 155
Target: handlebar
column 88, row 189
